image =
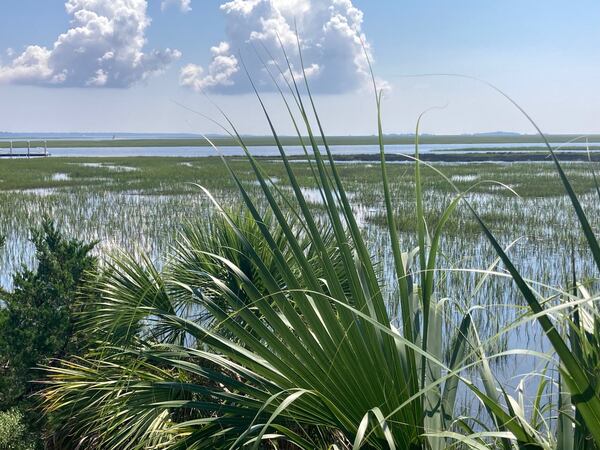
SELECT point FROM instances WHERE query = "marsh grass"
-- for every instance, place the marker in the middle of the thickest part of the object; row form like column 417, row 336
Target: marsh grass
column 158, row 198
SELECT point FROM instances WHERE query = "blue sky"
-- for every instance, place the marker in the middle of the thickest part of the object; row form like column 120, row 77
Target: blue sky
column 544, row 54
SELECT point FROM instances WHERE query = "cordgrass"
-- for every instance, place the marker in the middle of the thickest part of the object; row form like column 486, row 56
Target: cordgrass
column 170, row 175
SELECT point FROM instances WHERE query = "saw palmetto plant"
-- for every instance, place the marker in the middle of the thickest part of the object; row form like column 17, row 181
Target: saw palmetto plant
column 273, row 328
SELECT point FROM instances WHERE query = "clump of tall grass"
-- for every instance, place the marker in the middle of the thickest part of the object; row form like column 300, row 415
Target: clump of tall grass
column 274, row 328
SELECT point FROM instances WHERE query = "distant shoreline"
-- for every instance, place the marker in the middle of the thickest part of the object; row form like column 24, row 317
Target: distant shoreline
column 261, row 141
column 430, row 157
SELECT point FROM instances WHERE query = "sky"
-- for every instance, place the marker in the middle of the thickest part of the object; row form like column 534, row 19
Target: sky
column 141, row 66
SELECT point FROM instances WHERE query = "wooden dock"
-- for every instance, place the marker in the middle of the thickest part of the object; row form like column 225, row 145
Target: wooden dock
column 26, row 153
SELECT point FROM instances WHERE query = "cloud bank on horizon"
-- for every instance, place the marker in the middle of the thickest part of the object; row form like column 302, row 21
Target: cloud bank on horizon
column 103, row 48
column 331, row 42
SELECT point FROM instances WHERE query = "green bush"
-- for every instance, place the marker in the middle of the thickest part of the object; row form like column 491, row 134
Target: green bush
column 14, row 434
column 36, row 326
column 36, row 320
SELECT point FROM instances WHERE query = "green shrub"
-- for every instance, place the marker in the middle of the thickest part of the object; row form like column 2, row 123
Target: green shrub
column 35, row 323
column 14, row 434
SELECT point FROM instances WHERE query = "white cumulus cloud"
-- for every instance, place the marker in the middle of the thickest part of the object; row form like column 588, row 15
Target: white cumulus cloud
column 221, row 70
column 331, row 40
column 103, row 48
column 184, row 5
